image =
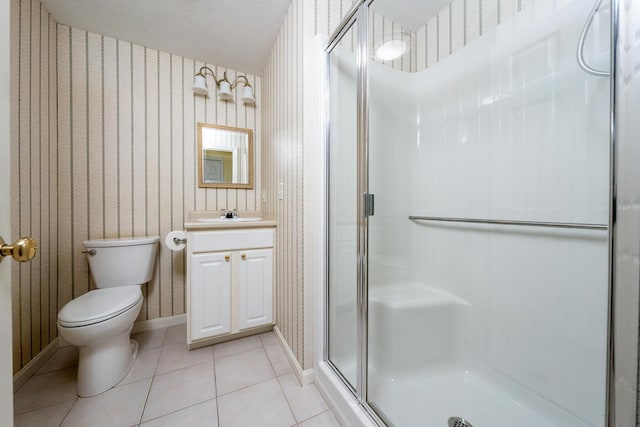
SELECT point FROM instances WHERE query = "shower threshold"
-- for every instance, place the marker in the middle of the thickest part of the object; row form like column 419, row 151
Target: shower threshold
column 430, row 397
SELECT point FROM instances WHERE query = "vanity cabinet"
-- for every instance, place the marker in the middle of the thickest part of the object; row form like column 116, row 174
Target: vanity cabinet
column 210, row 295
column 255, row 289
column 229, row 284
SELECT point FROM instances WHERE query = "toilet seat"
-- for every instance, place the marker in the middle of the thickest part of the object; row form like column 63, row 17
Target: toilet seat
column 99, row 305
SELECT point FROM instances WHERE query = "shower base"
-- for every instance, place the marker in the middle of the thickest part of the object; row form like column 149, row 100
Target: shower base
column 429, row 397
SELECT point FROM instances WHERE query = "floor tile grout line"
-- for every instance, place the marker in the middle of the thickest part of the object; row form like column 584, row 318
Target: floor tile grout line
column 153, row 377
column 269, row 359
column 146, row 400
column 275, row 341
column 215, row 389
column 124, row 385
column 287, row 399
column 37, row 373
column 178, row 410
column 178, row 369
column 68, row 412
column 317, row 415
column 182, row 325
column 235, row 354
column 38, row 408
column 43, row 407
column 50, row 372
column 175, row 344
column 247, row 386
column 44, row 373
column 155, row 372
column 155, row 369
column 301, row 387
column 139, row 380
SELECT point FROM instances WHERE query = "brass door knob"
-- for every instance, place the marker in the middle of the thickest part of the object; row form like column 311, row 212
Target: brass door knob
column 243, row 256
column 227, row 257
column 22, row 250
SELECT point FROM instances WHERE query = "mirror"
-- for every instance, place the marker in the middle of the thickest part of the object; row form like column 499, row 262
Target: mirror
column 225, row 157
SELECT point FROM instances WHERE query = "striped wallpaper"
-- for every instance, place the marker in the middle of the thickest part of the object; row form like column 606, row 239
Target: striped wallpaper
column 120, row 161
column 127, row 148
column 34, row 169
column 283, row 160
column 458, row 24
column 282, row 163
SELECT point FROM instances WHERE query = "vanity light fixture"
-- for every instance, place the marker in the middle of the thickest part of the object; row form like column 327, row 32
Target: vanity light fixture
column 224, row 86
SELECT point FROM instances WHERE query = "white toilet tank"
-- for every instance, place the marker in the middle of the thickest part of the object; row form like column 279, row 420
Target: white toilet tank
column 122, row 262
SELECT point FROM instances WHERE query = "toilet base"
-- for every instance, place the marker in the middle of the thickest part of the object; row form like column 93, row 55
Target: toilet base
column 102, row 366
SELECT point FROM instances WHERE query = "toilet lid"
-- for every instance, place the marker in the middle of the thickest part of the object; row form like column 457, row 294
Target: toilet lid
column 99, row 305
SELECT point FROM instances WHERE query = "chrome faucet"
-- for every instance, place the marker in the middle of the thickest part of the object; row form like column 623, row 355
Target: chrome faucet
column 229, row 214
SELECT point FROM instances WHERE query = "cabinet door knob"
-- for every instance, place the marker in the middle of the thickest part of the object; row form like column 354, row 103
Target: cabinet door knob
column 243, row 256
column 227, row 258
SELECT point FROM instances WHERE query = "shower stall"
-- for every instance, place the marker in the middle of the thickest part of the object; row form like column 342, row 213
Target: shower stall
column 469, row 223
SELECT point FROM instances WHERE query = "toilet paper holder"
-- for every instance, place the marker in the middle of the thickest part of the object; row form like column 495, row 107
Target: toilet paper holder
column 176, row 240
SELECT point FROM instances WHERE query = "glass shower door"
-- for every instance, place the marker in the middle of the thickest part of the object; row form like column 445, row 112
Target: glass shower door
column 342, row 207
column 487, row 254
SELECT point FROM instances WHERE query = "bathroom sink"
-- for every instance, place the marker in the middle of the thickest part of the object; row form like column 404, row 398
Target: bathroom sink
column 222, row 220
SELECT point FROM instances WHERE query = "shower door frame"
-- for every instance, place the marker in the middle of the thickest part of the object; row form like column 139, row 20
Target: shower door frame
column 352, row 19
column 357, row 16
column 616, row 336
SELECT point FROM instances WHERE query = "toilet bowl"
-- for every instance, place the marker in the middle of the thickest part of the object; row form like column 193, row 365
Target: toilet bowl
column 100, row 321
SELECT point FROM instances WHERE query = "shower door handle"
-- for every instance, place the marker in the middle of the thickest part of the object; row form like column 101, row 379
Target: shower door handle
column 368, row 204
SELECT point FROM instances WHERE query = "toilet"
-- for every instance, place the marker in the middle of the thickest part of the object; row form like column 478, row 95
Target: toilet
column 100, row 321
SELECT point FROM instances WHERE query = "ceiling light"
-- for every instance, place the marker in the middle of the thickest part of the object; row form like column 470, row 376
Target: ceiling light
column 224, row 86
column 391, row 49
column 393, row 46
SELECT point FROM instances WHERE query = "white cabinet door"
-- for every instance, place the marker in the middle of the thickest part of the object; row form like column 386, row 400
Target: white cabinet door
column 255, row 285
column 210, row 295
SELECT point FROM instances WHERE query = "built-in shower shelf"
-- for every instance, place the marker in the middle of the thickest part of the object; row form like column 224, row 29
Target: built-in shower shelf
column 404, row 295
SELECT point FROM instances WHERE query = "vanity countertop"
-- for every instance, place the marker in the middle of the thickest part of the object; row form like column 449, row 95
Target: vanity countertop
column 201, row 220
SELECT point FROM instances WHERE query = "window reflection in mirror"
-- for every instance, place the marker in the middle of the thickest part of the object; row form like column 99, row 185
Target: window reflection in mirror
column 225, row 156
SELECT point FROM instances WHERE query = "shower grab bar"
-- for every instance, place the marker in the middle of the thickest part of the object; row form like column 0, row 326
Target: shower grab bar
column 572, row 225
column 583, row 36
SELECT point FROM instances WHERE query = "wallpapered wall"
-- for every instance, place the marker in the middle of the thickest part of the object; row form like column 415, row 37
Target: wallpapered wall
column 35, row 176
column 283, row 81
column 458, row 24
column 117, row 158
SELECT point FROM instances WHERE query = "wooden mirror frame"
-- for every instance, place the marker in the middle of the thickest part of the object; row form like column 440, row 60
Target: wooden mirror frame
column 201, row 182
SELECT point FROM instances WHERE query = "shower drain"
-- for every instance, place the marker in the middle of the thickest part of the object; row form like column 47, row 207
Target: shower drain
column 459, row 422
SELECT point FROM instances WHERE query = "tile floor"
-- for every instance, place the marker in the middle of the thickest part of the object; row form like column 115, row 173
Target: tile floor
column 246, row 382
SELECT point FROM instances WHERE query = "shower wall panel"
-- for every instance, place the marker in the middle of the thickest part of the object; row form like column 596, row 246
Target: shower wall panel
column 506, row 127
column 510, row 128
column 392, row 131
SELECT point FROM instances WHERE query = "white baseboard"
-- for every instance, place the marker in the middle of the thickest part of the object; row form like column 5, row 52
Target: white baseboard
column 163, row 322
column 34, row 364
column 305, row 377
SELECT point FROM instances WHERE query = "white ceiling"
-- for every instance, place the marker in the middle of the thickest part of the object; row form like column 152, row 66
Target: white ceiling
column 236, row 34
